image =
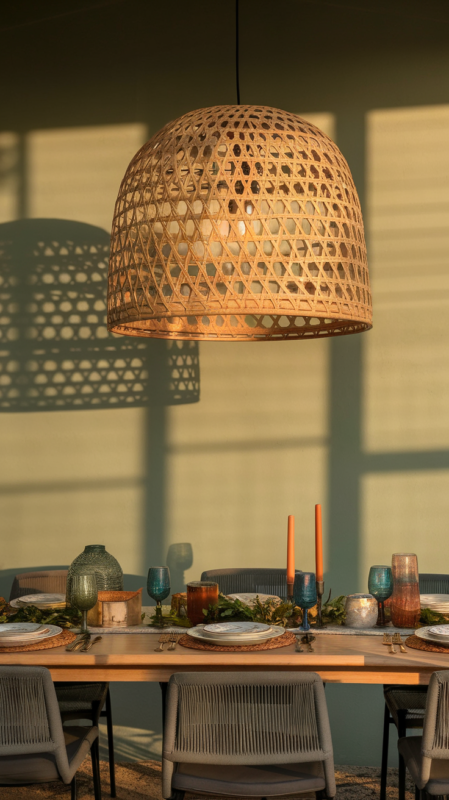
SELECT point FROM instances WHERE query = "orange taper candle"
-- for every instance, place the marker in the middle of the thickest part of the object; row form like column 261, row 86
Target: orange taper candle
column 318, row 544
column 291, row 553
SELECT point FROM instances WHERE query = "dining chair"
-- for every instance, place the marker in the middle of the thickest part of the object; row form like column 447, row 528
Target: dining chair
column 427, row 757
column 34, row 746
column 249, row 734
column 405, row 705
column 238, row 581
column 76, row 700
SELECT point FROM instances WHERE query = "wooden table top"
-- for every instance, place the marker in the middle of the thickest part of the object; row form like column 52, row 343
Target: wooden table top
column 338, row 659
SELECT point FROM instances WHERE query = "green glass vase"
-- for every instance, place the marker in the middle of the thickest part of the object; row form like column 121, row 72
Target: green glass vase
column 96, row 559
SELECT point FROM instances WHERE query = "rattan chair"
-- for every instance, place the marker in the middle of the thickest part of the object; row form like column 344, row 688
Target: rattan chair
column 34, row 746
column 405, row 705
column 249, row 734
column 236, row 581
column 76, row 700
column 427, row 756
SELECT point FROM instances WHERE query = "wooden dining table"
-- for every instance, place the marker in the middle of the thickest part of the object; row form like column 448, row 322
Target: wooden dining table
column 336, row 658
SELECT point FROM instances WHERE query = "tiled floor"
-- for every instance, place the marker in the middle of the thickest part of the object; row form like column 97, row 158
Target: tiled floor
column 142, row 781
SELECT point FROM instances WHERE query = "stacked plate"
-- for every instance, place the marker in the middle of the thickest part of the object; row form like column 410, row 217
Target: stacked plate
column 42, row 601
column 22, row 633
column 236, row 633
column 436, row 602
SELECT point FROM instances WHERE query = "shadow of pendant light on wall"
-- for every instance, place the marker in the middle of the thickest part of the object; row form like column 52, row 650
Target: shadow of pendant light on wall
column 55, row 351
column 238, row 223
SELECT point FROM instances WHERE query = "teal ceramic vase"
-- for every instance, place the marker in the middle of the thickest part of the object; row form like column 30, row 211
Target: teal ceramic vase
column 96, row 559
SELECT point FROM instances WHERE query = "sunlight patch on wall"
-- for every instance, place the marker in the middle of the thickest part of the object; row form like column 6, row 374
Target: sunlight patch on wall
column 9, row 176
column 406, row 382
column 252, row 452
column 48, row 525
column 404, row 512
column 75, row 173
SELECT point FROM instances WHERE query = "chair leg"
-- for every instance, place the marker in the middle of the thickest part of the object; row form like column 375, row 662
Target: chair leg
column 95, row 756
column 110, row 743
column 383, row 769
column 402, row 731
column 73, row 792
column 417, row 793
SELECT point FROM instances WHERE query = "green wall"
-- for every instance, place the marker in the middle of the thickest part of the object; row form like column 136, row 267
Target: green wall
column 112, row 447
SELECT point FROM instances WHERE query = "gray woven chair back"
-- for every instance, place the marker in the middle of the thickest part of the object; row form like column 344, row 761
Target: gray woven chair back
column 51, row 580
column 237, row 581
column 249, row 718
column 30, row 721
column 435, row 740
column 433, row 582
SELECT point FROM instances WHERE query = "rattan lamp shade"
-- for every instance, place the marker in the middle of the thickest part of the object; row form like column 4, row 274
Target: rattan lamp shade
column 238, row 223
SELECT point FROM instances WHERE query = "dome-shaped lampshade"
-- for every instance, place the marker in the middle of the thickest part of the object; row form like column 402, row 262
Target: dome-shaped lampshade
column 238, row 223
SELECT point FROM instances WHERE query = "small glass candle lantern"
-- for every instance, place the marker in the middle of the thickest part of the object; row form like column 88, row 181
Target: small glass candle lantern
column 200, row 595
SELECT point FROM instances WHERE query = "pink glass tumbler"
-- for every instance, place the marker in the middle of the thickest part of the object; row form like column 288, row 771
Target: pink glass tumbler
column 405, row 602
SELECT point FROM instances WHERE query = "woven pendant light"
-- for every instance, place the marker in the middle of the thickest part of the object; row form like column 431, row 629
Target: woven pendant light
column 238, row 223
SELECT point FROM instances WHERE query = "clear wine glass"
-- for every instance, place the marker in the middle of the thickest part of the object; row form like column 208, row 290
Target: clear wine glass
column 84, row 595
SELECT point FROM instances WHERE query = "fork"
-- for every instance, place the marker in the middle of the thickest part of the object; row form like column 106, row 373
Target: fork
column 173, row 640
column 397, row 640
column 163, row 639
column 389, row 641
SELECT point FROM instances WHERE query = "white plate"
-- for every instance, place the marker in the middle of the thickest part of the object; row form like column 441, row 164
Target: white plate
column 439, row 630
column 31, row 600
column 28, row 635
column 233, row 628
column 43, row 598
column 441, row 599
column 423, row 633
column 199, row 633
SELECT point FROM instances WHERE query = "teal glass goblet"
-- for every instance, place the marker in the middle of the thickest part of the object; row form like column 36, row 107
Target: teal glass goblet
column 380, row 585
column 158, row 588
column 84, row 595
column 304, row 595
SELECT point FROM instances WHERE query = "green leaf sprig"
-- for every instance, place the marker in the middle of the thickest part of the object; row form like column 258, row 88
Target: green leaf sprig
column 66, row 618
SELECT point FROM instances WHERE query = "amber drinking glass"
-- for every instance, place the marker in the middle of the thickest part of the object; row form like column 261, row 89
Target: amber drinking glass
column 200, row 595
column 405, row 601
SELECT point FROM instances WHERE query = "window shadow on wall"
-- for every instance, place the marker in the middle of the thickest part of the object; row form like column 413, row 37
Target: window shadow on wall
column 55, row 351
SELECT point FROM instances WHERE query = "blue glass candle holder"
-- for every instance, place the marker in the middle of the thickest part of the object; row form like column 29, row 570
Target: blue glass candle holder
column 158, row 587
column 304, row 595
column 380, row 585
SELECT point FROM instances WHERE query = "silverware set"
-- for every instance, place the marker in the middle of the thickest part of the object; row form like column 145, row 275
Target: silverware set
column 390, row 641
column 168, row 638
column 83, row 642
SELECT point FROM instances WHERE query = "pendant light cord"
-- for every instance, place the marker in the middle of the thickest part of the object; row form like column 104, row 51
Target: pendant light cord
column 237, row 64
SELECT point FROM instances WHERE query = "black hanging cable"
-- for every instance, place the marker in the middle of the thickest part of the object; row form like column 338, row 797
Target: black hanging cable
column 237, row 65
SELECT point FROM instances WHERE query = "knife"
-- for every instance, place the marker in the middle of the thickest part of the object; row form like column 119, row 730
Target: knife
column 87, row 645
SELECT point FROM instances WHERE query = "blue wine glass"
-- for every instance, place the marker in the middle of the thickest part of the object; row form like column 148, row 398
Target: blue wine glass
column 380, row 585
column 304, row 594
column 158, row 587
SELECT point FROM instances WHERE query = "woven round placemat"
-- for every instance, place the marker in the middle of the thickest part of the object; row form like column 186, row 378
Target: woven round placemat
column 420, row 644
column 63, row 638
column 271, row 644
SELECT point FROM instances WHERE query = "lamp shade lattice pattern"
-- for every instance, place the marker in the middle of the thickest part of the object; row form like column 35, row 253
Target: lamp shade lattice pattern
column 238, row 223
